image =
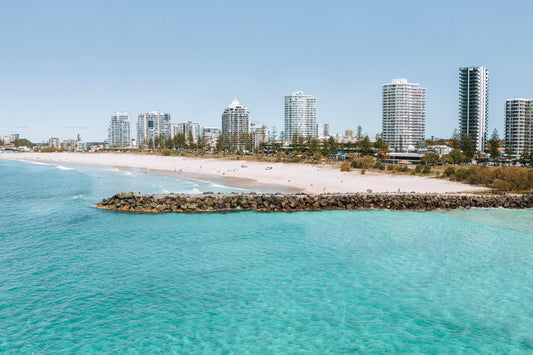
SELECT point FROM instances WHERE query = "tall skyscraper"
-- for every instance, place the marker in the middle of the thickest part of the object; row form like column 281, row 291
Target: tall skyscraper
column 518, row 126
column 151, row 125
column 235, row 119
column 300, row 115
column 474, row 105
column 404, row 114
column 120, row 130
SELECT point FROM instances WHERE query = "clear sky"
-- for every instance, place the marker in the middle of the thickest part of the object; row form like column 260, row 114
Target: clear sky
column 67, row 65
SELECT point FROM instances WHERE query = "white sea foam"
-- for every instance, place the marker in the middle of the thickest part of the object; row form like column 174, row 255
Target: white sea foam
column 61, row 167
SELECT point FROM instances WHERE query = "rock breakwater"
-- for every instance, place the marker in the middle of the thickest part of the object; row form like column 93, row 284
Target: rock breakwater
column 221, row 202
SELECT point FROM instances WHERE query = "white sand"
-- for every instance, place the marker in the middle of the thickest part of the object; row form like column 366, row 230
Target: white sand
column 309, row 178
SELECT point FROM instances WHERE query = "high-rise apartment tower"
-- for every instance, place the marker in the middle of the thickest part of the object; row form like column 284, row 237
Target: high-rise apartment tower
column 518, row 126
column 300, row 115
column 120, row 130
column 474, row 105
column 151, row 125
column 235, row 119
column 404, row 114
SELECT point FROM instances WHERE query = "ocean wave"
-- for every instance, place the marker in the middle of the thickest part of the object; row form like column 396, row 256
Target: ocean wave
column 61, row 167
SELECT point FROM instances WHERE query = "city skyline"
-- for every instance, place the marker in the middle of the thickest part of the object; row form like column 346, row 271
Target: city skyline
column 60, row 79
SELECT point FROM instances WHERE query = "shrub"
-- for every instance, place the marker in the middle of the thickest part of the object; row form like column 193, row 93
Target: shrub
column 363, row 163
column 346, row 166
column 419, row 168
column 363, row 171
column 165, row 151
column 462, row 174
column 427, row 169
column 379, row 165
column 449, row 171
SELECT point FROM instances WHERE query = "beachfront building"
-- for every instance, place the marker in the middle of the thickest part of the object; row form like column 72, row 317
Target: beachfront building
column 211, row 135
column 474, row 105
column 518, row 126
column 151, row 125
column 189, row 129
column 300, row 115
column 235, row 120
column 70, row 144
column 322, row 130
column 120, row 130
column 9, row 138
column 404, row 115
column 259, row 134
column 54, row 143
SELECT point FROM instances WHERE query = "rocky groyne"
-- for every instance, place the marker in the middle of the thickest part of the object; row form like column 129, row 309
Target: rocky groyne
column 222, row 202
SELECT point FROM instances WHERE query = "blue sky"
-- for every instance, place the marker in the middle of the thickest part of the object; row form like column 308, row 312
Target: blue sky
column 67, row 65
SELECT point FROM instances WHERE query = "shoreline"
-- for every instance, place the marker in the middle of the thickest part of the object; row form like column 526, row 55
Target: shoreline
column 293, row 177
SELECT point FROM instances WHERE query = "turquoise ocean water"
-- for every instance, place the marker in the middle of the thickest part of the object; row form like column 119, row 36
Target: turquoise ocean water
column 77, row 279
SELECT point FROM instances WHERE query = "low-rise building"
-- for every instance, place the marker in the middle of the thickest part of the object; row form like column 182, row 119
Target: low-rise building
column 211, row 135
column 259, row 134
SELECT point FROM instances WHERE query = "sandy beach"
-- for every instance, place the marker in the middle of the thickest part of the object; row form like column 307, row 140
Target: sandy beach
column 305, row 177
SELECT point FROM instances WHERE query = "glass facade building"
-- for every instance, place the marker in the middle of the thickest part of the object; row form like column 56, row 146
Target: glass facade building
column 474, row 105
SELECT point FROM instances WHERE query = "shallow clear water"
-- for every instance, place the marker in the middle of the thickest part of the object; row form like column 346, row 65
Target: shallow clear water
column 77, row 279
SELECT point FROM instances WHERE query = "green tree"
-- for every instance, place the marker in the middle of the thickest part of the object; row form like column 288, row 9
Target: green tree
column 179, row 141
column 468, row 147
column 430, row 159
column 455, row 156
column 359, row 133
column 365, row 146
column 201, row 142
column 455, row 141
column 330, row 146
column 22, row 142
column 313, row 147
column 493, row 144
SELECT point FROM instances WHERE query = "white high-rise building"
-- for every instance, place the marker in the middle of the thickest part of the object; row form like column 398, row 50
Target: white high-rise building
column 404, row 114
column 120, row 130
column 235, row 119
column 186, row 128
column 150, row 125
column 300, row 115
column 474, row 105
column 322, row 130
column 518, row 126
